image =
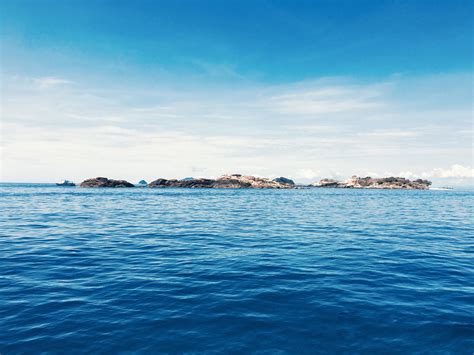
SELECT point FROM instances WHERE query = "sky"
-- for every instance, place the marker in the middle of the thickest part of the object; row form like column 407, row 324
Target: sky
column 303, row 89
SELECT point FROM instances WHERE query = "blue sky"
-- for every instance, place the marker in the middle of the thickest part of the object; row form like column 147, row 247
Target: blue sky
column 300, row 88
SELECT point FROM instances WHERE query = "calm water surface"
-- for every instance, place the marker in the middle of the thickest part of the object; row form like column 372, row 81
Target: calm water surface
column 235, row 271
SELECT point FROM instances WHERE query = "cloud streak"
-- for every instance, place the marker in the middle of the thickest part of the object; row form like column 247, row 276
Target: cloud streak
column 49, row 82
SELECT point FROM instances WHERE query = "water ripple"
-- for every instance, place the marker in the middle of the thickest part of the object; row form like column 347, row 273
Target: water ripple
column 217, row 271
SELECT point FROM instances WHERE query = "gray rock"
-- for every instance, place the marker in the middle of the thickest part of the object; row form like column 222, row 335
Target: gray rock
column 284, row 180
column 104, row 182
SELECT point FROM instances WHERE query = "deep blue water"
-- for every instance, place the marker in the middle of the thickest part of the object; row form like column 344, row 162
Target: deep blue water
column 235, row 271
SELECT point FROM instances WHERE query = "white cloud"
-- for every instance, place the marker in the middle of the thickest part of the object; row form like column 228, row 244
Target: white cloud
column 307, row 101
column 390, row 133
column 50, row 81
column 307, row 173
column 455, row 171
column 305, row 131
column 405, row 174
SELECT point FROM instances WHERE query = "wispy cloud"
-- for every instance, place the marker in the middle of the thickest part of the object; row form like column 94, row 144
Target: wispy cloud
column 327, row 100
column 47, row 82
column 390, row 133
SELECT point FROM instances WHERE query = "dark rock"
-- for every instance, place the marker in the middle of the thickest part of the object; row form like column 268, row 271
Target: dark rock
column 104, row 182
column 284, row 180
column 161, row 183
column 196, row 183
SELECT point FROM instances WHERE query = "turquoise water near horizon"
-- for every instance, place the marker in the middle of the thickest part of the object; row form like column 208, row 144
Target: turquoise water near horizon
column 235, row 271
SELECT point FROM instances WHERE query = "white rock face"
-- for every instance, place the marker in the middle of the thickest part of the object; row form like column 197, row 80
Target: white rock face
column 247, row 181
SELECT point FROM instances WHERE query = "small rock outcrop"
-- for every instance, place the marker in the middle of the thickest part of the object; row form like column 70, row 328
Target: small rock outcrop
column 104, row 182
column 247, row 181
column 194, row 183
column 327, row 183
column 375, row 183
column 234, row 181
column 284, row 180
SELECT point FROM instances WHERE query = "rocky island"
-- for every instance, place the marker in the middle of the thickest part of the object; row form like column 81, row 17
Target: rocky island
column 375, row 183
column 238, row 181
column 234, row 181
column 104, row 182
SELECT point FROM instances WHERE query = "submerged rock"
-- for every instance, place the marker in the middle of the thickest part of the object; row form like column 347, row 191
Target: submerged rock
column 104, row 182
column 376, row 183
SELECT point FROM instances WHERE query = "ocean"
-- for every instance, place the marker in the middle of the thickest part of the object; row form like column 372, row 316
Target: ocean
column 235, row 271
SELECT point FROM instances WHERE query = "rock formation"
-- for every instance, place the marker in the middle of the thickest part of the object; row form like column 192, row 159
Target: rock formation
column 328, row 183
column 194, row 183
column 237, row 181
column 376, row 183
column 246, row 181
column 104, row 182
column 284, row 180
column 234, row 181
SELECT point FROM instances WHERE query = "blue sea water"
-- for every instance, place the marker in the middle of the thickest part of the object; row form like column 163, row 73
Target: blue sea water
column 235, row 271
